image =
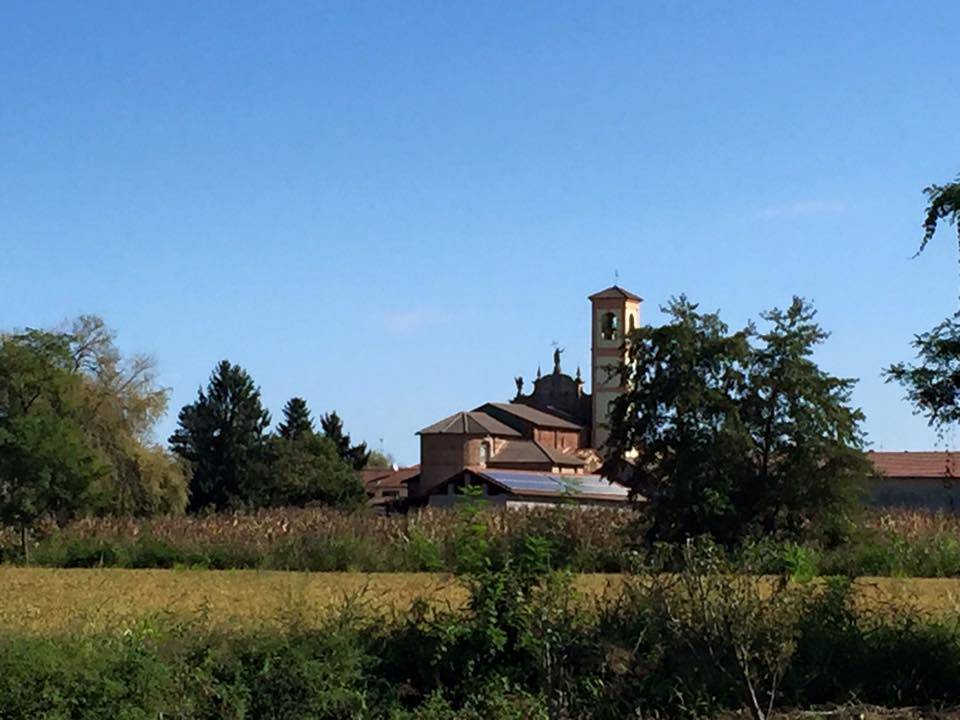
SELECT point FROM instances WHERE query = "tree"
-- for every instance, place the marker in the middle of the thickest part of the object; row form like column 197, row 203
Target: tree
column 380, row 460
column 121, row 405
column 307, row 470
column 221, row 436
column 354, row 455
column 729, row 434
column 807, row 464
column 47, row 466
column 680, row 419
column 296, row 420
column 933, row 384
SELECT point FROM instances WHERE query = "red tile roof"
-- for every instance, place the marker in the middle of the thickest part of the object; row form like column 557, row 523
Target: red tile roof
column 922, row 464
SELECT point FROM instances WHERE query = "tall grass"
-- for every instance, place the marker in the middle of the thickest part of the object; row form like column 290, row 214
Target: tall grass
column 583, row 539
column 908, row 544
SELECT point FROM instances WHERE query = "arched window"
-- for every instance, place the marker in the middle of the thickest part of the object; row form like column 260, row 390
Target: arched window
column 484, row 452
column 633, row 323
column 609, row 326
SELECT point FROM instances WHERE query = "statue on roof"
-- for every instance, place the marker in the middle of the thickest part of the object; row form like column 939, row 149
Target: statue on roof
column 556, row 360
column 519, row 381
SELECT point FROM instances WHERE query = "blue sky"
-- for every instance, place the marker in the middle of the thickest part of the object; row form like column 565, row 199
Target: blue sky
column 392, row 209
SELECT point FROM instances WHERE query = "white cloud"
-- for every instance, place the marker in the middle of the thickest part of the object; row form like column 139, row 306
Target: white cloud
column 801, row 208
column 409, row 321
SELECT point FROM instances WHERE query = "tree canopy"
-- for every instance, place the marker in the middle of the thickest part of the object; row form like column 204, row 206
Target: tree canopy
column 732, row 433
column 307, row 470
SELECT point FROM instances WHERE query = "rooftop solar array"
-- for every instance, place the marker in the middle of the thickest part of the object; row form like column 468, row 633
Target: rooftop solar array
column 556, row 483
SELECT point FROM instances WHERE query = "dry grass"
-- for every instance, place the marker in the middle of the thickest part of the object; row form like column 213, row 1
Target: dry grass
column 56, row 600
column 40, row 600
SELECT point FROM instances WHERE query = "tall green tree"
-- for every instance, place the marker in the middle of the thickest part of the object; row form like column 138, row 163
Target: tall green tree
column 297, row 421
column 47, row 465
column 354, row 455
column 807, row 467
column 221, row 437
column 734, row 433
column 121, row 404
column 680, row 423
column 932, row 383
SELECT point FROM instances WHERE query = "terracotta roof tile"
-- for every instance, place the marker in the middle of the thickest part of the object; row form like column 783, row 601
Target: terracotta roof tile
column 922, row 464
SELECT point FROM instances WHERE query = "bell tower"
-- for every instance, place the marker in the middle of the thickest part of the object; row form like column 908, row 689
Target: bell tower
column 614, row 314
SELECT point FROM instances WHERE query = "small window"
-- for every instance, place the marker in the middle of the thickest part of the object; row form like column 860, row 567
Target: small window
column 609, row 326
column 484, row 452
column 633, row 323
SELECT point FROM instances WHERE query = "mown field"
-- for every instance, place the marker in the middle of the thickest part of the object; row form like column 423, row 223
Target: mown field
column 51, row 601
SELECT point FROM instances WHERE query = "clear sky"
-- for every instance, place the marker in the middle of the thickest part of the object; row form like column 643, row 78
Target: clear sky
column 392, row 209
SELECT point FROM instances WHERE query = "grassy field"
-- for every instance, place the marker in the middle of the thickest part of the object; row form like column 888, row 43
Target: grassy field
column 52, row 600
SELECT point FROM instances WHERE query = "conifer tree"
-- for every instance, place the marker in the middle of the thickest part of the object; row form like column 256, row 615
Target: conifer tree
column 221, row 435
column 297, row 421
column 355, row 456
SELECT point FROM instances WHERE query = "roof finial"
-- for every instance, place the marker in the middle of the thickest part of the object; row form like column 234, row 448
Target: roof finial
column 616, row 276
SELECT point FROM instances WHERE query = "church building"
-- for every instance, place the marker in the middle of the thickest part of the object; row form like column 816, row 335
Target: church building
column 543, row 446
column 546, row 446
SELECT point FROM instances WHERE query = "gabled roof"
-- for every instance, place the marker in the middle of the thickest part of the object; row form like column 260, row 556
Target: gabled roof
column 907, row 464
column 530, row 451
column 533, row 416
column 470, row 423
column 615, row 291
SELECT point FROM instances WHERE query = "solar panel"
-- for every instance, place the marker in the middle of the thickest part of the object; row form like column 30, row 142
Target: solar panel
column 559, row 484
